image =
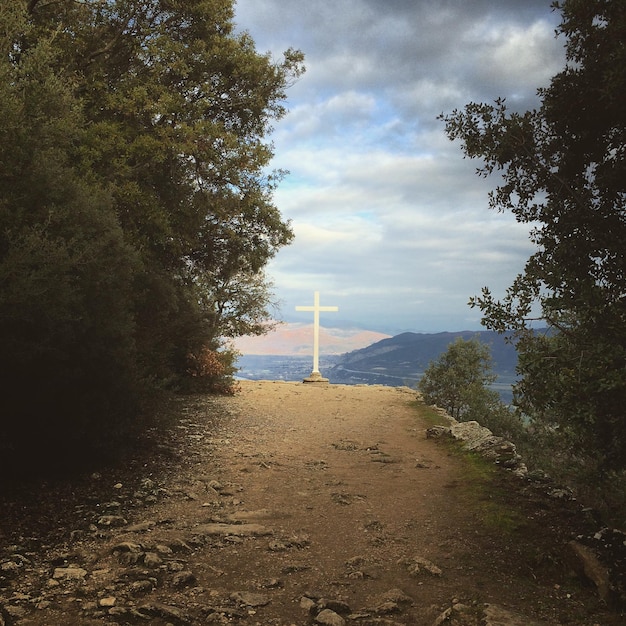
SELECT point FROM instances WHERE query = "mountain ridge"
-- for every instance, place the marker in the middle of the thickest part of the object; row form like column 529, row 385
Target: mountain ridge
column 407, row 355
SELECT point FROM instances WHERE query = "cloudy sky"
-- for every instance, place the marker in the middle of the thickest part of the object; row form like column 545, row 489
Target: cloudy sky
column 391, row 223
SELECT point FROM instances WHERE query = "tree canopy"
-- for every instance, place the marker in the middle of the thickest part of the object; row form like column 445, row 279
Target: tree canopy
column 563, row 172
column 135, row 199
column 458, row 380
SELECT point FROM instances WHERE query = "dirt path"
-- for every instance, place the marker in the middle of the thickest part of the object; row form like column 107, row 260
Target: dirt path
column 278, row 503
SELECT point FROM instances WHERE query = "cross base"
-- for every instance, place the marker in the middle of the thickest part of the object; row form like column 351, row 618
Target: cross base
column 315, row 377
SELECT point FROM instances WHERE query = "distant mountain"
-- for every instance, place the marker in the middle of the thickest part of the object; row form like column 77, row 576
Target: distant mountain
column 393, row 361
column 406, row 356
column 290, row 339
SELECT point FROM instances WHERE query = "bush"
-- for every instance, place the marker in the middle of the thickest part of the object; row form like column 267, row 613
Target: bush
column 211, row 371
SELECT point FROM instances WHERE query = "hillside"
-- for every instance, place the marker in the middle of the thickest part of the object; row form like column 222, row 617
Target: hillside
column 406, row 356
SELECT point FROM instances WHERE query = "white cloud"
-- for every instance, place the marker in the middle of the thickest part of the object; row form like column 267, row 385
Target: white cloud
column 390, row 220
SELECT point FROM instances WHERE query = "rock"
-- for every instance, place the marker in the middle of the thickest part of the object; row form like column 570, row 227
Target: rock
column 107, row 603
column 128, row 552
column 141, row 527
column 69, row 573
column 112, row 521
column 127, row 546
column 387, row 608
column 246, row 516
column 496, row 449
column 587, row 566
column 246, row 598
column 367, row 620
column 176, row 544
column 314, row 594
column 334, row 605
column 183, row 578
column 147, row 484
column 163, row 549
column 342, row 498
column 152, row 560
column 610, row 545
column 130, row 558
column 497, row 615
column 418, row 565
column 471, row 433
column 89, row 606
column 299, row 541
column 20, row 559
column 124, row 611
column 293, row 568
column 307, row 604
column 142, row 586
column 164, row 611
column 9, row 567
column 175, row 566
column 21, row 597
column 16, row 612
column 329, row 618
column 436, row 432
column 538, row 476
column 396, row 595
column 561, row 493
column 481, row 440
column 223, row 615
column 483, row 615
column 521, row 470
column 42, row 605
column 236, row 530
column 456, row 612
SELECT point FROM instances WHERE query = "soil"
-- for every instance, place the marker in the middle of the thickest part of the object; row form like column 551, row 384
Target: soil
column 266, row 507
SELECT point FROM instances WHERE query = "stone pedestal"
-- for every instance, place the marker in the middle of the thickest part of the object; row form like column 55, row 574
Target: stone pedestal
column 316, row 377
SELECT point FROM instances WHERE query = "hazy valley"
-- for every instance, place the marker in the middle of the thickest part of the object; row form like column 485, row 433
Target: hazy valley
column 392, row 361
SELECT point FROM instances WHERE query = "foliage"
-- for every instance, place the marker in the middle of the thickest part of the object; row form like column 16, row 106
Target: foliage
column 211, row 371
column 68, row 354
column 563, row 172
column 457, row 381
column 136, row 211
column 179, row 107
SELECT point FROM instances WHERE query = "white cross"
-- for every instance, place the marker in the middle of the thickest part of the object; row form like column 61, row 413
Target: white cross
column 316, row 308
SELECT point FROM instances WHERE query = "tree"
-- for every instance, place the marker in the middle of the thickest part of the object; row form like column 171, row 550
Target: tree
column 458, row 380
column 67, row 362
column 134, row 196
column 564, row 172
column 179, row 108
column 238, row 305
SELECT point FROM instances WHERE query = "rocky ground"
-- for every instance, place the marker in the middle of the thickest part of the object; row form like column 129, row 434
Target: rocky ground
column 294, row 504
